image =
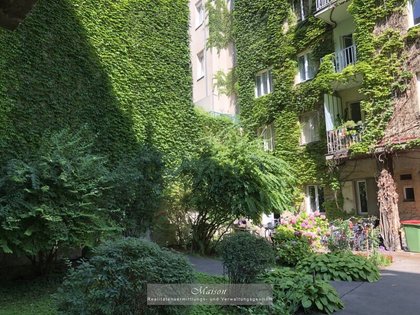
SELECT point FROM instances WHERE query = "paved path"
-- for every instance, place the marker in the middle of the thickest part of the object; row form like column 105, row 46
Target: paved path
column 396, row 293
column 206, row 265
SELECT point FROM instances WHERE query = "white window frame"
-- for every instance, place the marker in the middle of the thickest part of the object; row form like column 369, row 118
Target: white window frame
column 314, row 134
column 308, row 199
column 199, row 14
column 267, row 135
column 411, row 22
column 405, row 193
column 201, row 65
column 259, row 90
column 308, row 75
column 302, row 16
column 359, row 201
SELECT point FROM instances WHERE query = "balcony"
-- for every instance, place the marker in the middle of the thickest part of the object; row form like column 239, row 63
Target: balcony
column 339, row 140
column 332, row 11
column 344, row 58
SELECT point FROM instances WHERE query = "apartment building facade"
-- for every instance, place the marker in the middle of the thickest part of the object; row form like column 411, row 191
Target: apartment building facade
column 207, row 62
column 327, row 100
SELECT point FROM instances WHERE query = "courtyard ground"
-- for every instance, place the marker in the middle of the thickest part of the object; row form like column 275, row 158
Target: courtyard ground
column 397, row 292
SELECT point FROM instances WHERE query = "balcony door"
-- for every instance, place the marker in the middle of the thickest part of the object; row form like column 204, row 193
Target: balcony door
column 355, row 112
column 347, row 44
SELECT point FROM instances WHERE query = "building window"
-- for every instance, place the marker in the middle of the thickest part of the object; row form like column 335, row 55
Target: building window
column 263, row 83
column 409, row 194
column 362, row 198
column 406, row 177
column 307, row 67
column 201, row 66
column 301, row 9
column 267, row 135
column 414, row 12
column 199, row 8
column 314, row 198
column 309, row 127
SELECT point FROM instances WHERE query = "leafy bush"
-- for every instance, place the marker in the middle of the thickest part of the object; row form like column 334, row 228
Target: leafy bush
column 231, row 177
column 245, row 256
column 290, row 248
column 340, row 266
column 311, row 226
column 51, row 199
column 339, row 239
column 380, row 259
column 114, row 280
column 295, row 290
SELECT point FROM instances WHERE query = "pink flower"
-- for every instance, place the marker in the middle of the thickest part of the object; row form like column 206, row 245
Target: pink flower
column 293, row 220
column 303, row 224
column 317, row 213
column 323, row 217
column 283, row 222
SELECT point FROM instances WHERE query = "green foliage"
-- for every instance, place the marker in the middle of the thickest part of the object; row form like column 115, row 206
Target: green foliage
column 220, row 24
column 121, row 67
column 114, row 280
column 232, row 177
column 137, row 189
column 339, row 240
column 226, row 83
column 379, row 259
column 242, row 266
column 340, row 266
column 295, row 290
column 28, row 297
column 51, row 199
column 290, row 248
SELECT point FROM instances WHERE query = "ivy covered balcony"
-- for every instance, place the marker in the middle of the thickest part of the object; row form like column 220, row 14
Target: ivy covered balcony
column 344, row 58
column 339, row 140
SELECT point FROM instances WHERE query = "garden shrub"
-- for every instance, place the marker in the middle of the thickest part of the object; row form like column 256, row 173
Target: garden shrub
column 312, row 226
column 114, row 280
column 52, row 199
column 290, row 247
column 245, row 256
column 340, row 266
column 295, row 291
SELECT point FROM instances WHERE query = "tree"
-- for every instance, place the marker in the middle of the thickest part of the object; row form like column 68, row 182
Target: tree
column 137, row 189
column 232, row 177
column 51, row 199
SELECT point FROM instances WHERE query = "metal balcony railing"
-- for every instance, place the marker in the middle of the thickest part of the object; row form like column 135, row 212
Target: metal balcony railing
column 345, row 57
column 339, row 140
column 322, row 4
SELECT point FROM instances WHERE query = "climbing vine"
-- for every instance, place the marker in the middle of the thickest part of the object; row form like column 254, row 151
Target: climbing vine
column 268, row 36
column 121, row 68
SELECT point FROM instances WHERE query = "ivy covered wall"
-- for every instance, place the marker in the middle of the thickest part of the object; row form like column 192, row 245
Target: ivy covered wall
column 267, row 35
column 120, row 68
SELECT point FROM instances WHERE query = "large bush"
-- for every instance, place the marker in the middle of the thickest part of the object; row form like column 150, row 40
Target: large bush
column 295, row 291
column 232, row 177
column 245, row 256
column 113, row 281
column 290, row 246
column 51, row 199
column 340, row 266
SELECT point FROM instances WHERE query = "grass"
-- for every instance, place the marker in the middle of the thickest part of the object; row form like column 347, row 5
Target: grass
column 33, row 297
column 28, row 297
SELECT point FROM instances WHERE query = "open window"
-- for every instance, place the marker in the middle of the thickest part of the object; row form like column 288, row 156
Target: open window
column 302, row 9
column 314, row 198
column 309, row 127
column 267, row 135
column 307, row 67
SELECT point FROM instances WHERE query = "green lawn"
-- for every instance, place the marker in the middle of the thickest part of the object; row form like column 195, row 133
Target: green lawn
column 33, row 297
column 27, row 297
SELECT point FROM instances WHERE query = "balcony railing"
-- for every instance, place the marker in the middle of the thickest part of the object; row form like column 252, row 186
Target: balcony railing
column 322, row 4
column 345, row 57
column 339, row 140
